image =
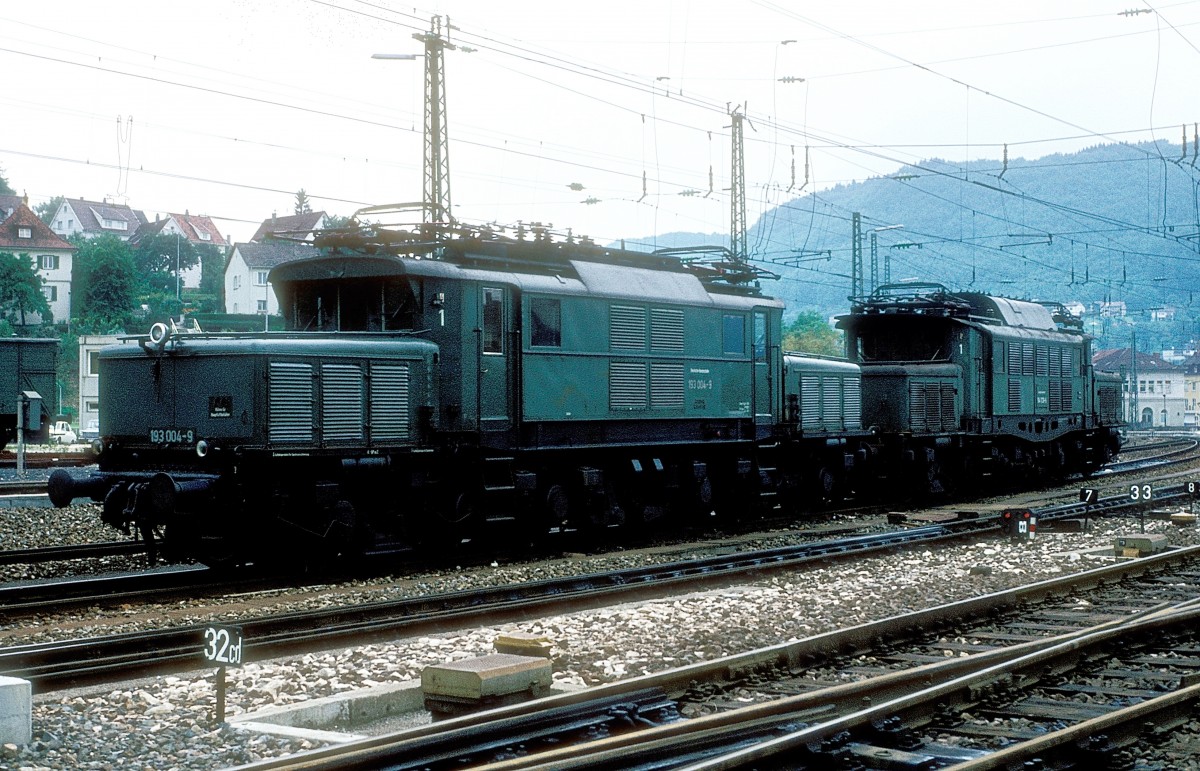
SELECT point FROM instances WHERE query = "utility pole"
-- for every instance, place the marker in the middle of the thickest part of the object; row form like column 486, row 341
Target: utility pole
column 856, row 257
column 874, row 260
column 436, row 187
column 737, row 192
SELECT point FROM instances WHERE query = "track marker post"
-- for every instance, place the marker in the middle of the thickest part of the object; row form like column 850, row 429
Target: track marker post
column 1143, row 492
column 223, row 646
column 1088, row 496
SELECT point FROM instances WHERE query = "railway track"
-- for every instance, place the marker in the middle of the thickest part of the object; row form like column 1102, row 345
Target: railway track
column 989, row 682
column 101, row 659
column 41, row 460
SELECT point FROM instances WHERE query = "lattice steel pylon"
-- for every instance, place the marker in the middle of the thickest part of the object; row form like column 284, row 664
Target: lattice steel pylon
column 737, row 193
column 435, row 189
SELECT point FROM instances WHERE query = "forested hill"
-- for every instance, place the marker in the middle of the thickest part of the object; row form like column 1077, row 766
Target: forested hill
column 1111, row 222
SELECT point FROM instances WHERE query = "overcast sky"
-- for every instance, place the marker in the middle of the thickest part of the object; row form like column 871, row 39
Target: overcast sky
column 227, row 107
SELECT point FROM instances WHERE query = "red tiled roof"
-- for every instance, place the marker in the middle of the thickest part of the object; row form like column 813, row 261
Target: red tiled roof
column 1112, row 359
column 190, row 225
column 41, row 236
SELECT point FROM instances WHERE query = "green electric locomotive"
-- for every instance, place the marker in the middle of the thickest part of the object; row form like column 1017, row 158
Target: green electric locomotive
column 962, row 385
column 430, row 388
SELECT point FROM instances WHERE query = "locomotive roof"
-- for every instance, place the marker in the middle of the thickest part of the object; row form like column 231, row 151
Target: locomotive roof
column 935, row 300
column 652, row 283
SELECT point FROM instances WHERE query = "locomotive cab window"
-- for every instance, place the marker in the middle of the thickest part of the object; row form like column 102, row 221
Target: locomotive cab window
column 492, row 312
column 545, row 322
column 760, row 336
column 733, row 335
column 898, row 338
column 351, row 306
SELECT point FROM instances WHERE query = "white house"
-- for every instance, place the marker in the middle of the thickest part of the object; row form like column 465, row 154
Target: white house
column 246, row 286
column 22, row 232
column 93, row 218
column 197, row 229
column 89, row 376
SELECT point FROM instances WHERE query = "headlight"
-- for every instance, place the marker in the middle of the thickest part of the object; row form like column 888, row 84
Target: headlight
column 202, row 448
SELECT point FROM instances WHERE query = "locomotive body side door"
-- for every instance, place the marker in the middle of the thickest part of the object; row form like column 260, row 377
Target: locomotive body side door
column 494, row 358
column 767, row 362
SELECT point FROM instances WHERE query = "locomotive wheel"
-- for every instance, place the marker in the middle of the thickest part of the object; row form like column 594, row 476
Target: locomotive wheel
column 450, row 523
column 826, row 486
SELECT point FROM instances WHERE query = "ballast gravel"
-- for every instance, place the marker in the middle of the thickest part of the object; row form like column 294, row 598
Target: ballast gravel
column 166, row 722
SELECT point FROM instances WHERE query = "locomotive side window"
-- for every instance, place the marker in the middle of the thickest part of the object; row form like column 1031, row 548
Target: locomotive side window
column 493, row 320
column 760, row 336
column 733, row 335
column 545, row 320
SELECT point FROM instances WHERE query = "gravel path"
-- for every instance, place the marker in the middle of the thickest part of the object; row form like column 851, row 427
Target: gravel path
column 164, row 723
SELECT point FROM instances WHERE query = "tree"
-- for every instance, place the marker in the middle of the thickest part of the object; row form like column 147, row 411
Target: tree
column 21, row 289
column 46, row 211
column 103, row 283
column 810, row 333
column 334, row 221
column 212, row 269
column 159, row 257
column 303, row 205
column 5, row 189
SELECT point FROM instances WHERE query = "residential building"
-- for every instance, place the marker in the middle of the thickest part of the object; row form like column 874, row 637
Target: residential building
column 94, row 218
column 22, row 232
column 295, row 227
column 89, row 376
column 1191, row 391
column 246, row 287
column 197, row 229
column 1154, row 390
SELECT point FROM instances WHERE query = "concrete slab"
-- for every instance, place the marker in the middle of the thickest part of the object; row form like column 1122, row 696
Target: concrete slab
column 16, row 711
column 499, row 674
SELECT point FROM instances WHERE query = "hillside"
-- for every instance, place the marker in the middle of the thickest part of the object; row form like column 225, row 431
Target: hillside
column 1112, row 222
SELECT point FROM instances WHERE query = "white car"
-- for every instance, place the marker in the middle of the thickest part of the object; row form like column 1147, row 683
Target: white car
column 91, row 432
column 62, row 433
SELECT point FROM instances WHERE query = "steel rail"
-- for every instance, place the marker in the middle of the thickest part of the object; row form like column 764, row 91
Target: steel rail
column 407, row 748
column 75, row 552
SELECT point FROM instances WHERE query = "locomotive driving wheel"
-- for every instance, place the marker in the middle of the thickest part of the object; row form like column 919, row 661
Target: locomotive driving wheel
column 451, row 521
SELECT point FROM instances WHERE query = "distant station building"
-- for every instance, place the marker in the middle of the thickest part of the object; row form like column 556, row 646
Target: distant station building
column 1154, row 390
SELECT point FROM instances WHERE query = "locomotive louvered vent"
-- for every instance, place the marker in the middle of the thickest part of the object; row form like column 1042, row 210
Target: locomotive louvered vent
column 949, row 418
column 1043, row 361
column 1014, row 358
column 627, row 328
column 1110, row 404
column 918, row 407
column 1068, row 358
column 389, row 402
column 1055, row 394
column 290, row 402
column 931, row 406
column 666, row 330
column 341, row 402
column 1014, row 395
column 810, row 401
column 831, row 410
column 627, row 385
column 1026, row 358
column 853, row 396
column 1056, row 368
column 666, row 385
